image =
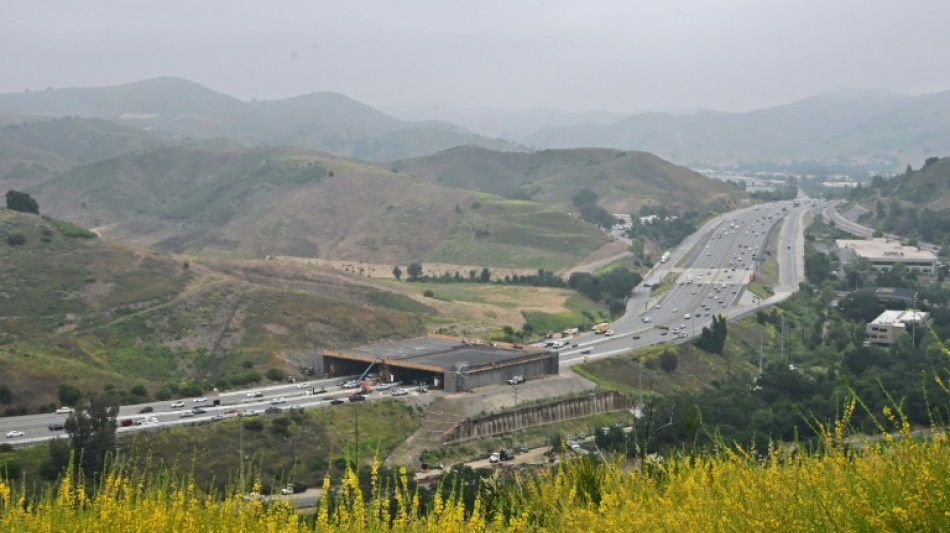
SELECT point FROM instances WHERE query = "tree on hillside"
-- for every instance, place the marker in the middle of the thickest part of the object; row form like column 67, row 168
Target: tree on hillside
column 91, row 430
column 23, row 202
column 397, row 273
column 414, row 270
column 69, row 394
column 817, row 266
column 713, row 338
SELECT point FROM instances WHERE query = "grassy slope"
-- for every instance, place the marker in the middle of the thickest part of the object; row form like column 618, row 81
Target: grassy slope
column 284, row 201
column 89, row 312
column 94, row 313
column 623, row 180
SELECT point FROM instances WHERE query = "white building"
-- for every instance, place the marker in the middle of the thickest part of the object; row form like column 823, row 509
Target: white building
column 885, row 253
column 883, row 330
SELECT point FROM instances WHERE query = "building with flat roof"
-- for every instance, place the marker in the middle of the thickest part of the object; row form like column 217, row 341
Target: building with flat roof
column 883, row 330
column 885, row 253
column 893, row 295
column 455, row 364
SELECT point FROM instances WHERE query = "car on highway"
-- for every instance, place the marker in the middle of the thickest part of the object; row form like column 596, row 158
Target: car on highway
column 254, row 394
column 336, row 401
column 400, row 392
column 176, row 405
column 218, row 418
column 293, row 488
column 146, row 409
column 65, row 410
column 357, row 398
column 199, row 399
column 273, row 410
column 352, row 384
column 494, row 457
column 516, row 380
column 279, row 400
column 199, row 411
column 636, row 336
column 57, row 426
column 304, row 385
column 609, row 332
column 185, row 414
column 15, row 433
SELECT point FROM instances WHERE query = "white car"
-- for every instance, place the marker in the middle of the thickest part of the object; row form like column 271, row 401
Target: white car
column 304, row 385
column 400, row 392
column 494, row 457
column 176, row 405
column 200, row 399
column 65, row 410
column 279, row 400
column 609, row 332
column 254, row 394
column 15, row 433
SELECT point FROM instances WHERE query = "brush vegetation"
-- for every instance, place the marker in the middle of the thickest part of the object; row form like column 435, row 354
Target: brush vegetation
column 893, row 484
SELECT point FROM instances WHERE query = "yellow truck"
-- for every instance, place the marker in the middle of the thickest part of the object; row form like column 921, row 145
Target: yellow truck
column 602, row 327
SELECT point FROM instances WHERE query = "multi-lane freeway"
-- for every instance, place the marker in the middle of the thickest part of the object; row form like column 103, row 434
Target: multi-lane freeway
column 317, row 393
column 706, row 274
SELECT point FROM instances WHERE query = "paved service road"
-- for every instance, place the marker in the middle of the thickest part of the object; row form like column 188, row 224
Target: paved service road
column 708, row 274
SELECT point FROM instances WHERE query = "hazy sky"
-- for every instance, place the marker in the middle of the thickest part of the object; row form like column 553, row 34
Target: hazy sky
column 622, row 55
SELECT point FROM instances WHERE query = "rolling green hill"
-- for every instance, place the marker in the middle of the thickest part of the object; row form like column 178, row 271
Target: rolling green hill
column 323, row 121
column 79, row 310
column 253, row 203
column 623, row 181
column 914, row 204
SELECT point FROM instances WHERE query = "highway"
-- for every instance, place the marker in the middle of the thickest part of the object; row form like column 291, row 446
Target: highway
column 830, row 214
column 317, row 393
column 708, row 273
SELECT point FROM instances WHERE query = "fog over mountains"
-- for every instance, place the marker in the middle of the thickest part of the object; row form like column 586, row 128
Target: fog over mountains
column 861, row 126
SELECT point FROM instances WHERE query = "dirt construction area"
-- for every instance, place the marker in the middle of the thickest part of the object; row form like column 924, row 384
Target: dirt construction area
column 446, row 410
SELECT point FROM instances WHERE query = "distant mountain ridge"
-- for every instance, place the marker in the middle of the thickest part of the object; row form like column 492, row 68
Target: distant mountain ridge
column 842, row 125
column 328, row 122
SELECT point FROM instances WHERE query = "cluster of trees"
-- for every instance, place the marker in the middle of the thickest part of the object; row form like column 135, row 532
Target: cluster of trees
column 585, row 201
column 815, row 362
column 543, row 278
column 611, row 287
column 23, row 202
column 669, row 227
column 713, row 338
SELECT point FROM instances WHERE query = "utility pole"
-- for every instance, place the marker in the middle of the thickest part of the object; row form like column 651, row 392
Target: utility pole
column 761, row 353
column 782, row 338
column 914, row 329
column 241, row 450
column 356, row 415
column 514, row 389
